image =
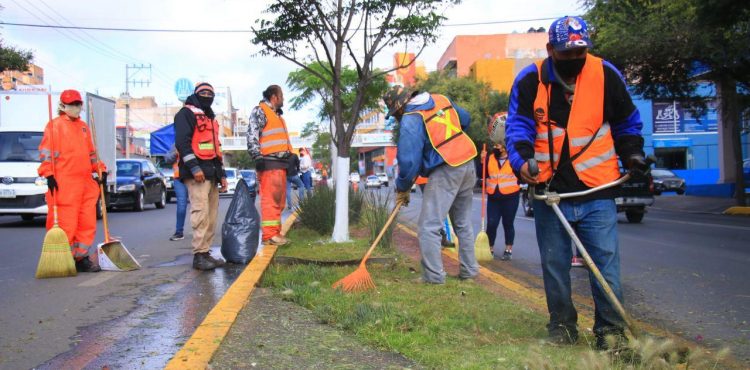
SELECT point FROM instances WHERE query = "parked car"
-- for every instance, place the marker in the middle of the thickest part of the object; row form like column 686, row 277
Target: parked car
column 373, row 182
column 250, row 177
column 233, row 176
column 383, row 178
column 633, row 198
column 168, row 172
column 354, row 177
column 138, row 183
column 666, row 180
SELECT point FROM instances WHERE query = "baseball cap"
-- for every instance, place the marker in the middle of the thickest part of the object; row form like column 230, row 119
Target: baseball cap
column 569, row 33
column 70, row 97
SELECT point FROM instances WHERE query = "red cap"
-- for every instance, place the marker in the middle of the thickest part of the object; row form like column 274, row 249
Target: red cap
column 70, row 97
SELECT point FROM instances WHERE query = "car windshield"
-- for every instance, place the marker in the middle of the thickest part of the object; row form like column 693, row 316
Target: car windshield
column 247, row 174
column 372, row 177
column 128, row 169
column 20, row 146
column 663, row 173
column 231, row 173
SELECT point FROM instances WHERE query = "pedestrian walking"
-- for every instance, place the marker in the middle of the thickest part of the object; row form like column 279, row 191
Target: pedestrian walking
column 201, row 169
column 181, row 194
column 269, row 146
column 502, row 198
column 433, row 143
column 292, row 178
column 305, row 169
column 572, row 112
column 67, row 138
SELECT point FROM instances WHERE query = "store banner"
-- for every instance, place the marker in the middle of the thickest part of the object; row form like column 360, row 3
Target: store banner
column 672, row 118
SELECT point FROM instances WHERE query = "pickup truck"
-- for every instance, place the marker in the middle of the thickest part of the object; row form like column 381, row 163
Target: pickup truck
column 633, row 198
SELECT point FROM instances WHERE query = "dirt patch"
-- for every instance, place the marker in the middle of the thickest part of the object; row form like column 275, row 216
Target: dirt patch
column 271, row 333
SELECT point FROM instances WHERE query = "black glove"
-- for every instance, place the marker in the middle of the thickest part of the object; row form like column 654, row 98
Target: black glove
column 638, row 166
column 51, row 184
column 103, row 179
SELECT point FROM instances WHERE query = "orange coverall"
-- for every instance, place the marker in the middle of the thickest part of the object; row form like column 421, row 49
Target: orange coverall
column 69, row 140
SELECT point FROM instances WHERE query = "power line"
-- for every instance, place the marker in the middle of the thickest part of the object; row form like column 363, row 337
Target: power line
column 173, row 30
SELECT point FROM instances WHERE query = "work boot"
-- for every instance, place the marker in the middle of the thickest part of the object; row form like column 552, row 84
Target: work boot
column 218, row 261
column 203, row 261
column 85, row 265
column 278, row 240
column 611, row 340
column 561, row 334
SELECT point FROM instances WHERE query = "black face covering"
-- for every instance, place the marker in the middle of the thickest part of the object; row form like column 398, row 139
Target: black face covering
column 569, row 68
column 205, row 101
column 497, row 152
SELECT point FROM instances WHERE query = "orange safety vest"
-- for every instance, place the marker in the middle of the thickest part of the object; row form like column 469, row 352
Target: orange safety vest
column 501, row 178
column 274, row 137
column 176, row 167
column 589, row 139
column 205, row 143
column 444, row 130
column 420, row 180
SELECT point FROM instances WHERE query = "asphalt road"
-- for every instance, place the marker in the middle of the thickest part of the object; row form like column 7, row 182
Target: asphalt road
column 684, row 272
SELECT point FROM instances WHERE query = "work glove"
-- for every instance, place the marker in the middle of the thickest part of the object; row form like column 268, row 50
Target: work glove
column 51, row 184
column 403, row 197
column 638, row 166
column 103, row 179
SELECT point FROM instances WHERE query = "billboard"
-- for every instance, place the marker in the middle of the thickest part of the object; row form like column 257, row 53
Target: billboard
column 672, row 118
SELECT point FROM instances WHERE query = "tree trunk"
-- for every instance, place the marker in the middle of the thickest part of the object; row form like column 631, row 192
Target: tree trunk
column 730, row 136
column 341, row 226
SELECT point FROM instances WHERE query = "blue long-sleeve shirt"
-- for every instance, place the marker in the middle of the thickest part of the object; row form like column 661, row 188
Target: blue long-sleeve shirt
column 416, row 156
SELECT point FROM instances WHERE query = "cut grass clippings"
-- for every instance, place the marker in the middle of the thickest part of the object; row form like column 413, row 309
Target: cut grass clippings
column 456, row 325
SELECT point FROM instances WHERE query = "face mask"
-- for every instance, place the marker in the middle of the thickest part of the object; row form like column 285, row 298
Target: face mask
column 497, row 152
column 205, row 101
column 569, row 68
column 73, row 111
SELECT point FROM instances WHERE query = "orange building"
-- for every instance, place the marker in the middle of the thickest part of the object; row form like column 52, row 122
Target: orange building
column 406, row 76
column 495, row 59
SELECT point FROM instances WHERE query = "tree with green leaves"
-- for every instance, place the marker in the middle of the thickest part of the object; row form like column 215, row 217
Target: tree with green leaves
column 667, row 49
column 333, row 34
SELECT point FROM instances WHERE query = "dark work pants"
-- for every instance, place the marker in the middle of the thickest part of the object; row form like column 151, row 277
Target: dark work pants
column 502, row 208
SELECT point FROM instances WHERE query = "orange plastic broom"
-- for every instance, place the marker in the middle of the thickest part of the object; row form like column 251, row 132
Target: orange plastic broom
column 360, row 280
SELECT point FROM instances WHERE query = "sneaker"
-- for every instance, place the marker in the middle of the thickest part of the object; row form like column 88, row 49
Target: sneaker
column 203, row 262
column 577, row 262
column 507, row 256
column 176, row 237
column 85, row 265
column 444, row 242
column 277, row 240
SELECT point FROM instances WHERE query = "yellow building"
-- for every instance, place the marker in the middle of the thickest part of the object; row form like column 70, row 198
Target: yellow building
column 499, row 73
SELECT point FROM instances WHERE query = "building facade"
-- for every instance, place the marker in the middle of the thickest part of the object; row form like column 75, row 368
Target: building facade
column 16, row 80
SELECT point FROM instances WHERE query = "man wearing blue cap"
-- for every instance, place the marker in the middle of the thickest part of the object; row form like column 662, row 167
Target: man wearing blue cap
column 573, row 114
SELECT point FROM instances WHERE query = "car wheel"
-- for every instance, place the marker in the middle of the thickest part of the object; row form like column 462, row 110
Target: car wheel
column 635, row 216
column 680, row 191
column 162, row 200
column 139, row 201
column 656, row 192
column 27, row 217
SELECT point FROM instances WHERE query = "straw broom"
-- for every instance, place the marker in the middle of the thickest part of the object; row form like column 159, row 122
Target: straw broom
column 360, row 280
column 482, row 243
column 56, row 259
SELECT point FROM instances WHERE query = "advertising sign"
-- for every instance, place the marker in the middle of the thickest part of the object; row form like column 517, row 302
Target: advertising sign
column 183, row 88
column 672, row 118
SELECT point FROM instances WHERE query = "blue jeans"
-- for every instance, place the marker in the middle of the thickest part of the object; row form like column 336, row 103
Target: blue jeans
column 307, row 180
column 181, row 193
column 595, row 223
column 300, row 188
column 502, row 208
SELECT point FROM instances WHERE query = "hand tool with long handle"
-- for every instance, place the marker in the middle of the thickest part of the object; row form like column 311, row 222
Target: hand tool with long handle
column 482, row 242
column 552, row 199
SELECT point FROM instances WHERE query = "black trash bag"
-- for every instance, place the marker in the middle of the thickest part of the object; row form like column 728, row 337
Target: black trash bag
column 241, row 229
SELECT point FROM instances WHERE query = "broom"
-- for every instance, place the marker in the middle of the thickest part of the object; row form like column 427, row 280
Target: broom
column 482, row 243
column 360, row 280
column 56, row 259
column 114, row 250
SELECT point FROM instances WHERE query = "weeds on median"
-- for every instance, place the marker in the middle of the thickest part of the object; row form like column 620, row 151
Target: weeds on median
column 375, row 215
column 317, row 210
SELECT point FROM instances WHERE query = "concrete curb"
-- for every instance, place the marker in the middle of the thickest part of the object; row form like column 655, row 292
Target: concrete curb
column 737, row 211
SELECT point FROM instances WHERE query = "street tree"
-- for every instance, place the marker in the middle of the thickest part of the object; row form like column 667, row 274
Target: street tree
column 338, row 33
column 669, row 49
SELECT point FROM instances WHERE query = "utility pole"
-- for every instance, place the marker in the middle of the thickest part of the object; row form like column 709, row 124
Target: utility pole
column 133, row 79
column 166, row 113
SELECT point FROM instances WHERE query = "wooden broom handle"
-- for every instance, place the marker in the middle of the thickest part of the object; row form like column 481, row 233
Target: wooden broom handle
column 393, row 215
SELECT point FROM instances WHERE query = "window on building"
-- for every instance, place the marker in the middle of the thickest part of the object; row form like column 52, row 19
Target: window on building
column 671, row 158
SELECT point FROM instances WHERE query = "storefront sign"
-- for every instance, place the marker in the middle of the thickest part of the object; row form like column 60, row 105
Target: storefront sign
column 672, row 118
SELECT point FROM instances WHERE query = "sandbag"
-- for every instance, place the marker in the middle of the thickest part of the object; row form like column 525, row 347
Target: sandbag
column 240, row 233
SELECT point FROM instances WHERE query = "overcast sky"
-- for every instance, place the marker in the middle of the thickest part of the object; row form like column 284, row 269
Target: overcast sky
column 95, row 60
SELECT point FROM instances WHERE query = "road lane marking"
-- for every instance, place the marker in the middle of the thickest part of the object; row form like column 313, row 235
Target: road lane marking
column 205, row 341
column 704, row 224
column 100, row 278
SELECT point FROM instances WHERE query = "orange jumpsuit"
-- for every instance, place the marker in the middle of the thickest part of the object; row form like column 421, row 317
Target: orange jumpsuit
column 69, row 140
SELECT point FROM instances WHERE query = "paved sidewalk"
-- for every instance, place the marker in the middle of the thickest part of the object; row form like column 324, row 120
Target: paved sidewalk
column 693, row 204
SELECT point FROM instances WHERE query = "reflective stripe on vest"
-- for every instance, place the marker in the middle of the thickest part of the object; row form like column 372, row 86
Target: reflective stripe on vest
column 443, row 128
column 274, row 137
column 205, row 143
column 501, row 178
column 586, row 128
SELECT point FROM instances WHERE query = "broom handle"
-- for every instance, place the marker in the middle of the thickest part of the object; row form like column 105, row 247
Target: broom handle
column 52, row 140
column 484, row 187
column 103, row 204
column 393, row 215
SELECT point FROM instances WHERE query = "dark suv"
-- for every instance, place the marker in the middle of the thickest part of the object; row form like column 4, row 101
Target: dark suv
column 138, row 183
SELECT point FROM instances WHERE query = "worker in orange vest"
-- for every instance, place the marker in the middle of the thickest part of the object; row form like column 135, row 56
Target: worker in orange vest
column 433, row 143
column 503, row 197
column 67, row 141
column 269, row 145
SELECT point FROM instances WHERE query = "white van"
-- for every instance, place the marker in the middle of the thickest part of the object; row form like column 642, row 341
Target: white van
column 23, row 117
